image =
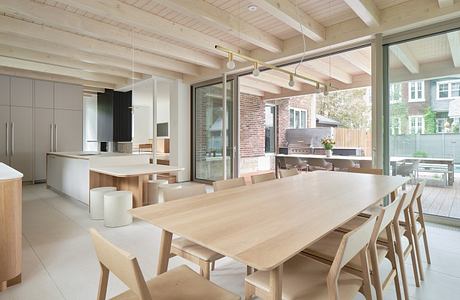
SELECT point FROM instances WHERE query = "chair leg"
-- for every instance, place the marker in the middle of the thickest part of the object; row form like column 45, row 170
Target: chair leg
column 249, row 270
column 402, row 267
column 103, row 280
column 366, row 288
column 249, row 291
column 375, row 272
column 413, row 255
column 205, row 267
column 213, row 265
column 415, row 237
column 425, row 243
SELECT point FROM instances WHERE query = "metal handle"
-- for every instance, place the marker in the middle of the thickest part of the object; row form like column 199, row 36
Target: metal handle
column 51, row 138
column 7, row 139
column 55, row 138
column 12, row 138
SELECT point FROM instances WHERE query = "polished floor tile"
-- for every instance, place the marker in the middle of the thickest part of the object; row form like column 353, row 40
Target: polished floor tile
column 59, row 261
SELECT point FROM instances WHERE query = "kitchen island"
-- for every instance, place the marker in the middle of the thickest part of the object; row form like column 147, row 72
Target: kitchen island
column 68, row 173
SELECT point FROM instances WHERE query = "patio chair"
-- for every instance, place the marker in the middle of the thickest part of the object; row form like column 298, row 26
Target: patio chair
column 408, row 169
column 296, row 162
column 343, row 164
column 315, row 164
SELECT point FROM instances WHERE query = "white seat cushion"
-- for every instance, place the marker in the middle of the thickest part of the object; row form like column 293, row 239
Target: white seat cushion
column 327, row 247
column 304, row 278
column 194, row 249
column 181, row 283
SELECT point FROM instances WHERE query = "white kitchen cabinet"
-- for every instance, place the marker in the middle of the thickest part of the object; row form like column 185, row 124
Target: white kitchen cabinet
column 68, row 96
column 4, row 90
column 43, row 130
column 44, row 94
column 21, row 91
column 4, row 134
column 68, row 131
column 21, row 153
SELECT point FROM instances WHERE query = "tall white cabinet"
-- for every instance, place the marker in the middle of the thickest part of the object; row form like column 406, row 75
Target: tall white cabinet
column 37, row 117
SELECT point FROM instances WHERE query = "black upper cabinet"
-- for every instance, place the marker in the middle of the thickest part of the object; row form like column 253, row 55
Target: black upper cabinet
column 114, row 118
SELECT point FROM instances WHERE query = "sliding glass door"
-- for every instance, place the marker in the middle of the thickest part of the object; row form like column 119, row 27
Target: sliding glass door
column 423, row 117
column 213, row 152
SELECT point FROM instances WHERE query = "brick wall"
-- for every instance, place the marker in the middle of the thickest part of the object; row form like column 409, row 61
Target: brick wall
column 302, row 102
column 252, row 131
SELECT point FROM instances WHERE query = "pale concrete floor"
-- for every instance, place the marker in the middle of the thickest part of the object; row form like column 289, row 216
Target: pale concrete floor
column 60, row 263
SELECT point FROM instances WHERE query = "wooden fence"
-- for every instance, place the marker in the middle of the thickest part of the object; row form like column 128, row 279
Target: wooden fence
column 354, row 138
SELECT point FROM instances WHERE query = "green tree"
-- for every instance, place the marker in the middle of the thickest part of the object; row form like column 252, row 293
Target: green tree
column 352, row 108
column 430, row 121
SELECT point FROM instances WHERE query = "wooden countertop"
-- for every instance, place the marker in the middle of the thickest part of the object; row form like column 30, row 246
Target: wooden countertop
column 8, row 173
column 135, row 170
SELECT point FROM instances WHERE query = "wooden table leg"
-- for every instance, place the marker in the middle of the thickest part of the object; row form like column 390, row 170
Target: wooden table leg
column 276, row 283
column 165, row 250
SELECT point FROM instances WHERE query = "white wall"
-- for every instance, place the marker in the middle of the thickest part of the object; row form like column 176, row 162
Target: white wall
column 163, row 101
column 143, row 111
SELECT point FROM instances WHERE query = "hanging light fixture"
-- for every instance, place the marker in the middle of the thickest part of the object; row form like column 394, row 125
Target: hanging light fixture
column 291, row 80
column 256, row 71
column 230, row 62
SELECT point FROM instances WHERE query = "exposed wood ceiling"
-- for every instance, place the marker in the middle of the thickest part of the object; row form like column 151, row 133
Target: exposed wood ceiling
column 110, row 43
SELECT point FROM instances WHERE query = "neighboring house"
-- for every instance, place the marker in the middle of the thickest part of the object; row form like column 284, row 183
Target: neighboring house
column 411, row 100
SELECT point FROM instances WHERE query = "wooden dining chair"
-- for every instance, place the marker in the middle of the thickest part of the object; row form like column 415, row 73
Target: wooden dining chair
column 325, row 249
column 305, row 278
column 289, row 172
column 263, row 177
column 228, row 184
column 202, row 256
column 179, row 283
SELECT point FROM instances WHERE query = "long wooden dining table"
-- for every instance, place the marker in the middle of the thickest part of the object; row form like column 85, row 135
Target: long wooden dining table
column 265, row 224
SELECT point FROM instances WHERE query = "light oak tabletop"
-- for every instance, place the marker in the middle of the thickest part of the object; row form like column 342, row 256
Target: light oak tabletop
column 265, row 224
column 134, row 170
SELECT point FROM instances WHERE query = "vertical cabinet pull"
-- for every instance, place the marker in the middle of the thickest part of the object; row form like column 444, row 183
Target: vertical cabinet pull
column 12, row 138
column 7, row 139
column 51, row 138
column 55, row 138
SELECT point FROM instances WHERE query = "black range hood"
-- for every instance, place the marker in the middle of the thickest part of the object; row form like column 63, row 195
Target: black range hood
column 114, row 117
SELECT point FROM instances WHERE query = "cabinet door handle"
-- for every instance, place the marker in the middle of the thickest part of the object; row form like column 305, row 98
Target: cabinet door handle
column 55, row 138
column 51, row 138
column 12, row 138
column 7, row 139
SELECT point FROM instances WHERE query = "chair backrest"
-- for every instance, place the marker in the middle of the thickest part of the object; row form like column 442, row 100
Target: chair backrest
column 418, row 197
column 185, row 191
column 289, row 172
column 228, row 184
column 366, row 171
column 120, row 263
column 343, row 164
column 386, row 216
column 263, row 177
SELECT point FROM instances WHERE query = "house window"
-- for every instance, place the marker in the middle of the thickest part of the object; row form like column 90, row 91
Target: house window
column 416, row 124
column 395, row 92
column 297, row 118
column 416, row 92
column 269, row 129
column 440, row 128
column 395, row 126
column 447, row 90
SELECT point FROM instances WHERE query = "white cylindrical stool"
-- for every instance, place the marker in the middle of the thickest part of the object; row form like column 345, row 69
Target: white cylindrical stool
column 116, row 206
column 96, row 201
column 163, row 187
column 151, row 190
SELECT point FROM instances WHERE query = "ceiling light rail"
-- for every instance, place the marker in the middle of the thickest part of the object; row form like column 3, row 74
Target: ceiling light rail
column 257, row 64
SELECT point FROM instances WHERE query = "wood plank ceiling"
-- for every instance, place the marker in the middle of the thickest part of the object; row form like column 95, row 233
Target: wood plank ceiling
column 109, row 43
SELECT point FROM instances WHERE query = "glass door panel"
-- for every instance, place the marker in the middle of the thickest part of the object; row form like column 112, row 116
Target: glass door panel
column 208, row 152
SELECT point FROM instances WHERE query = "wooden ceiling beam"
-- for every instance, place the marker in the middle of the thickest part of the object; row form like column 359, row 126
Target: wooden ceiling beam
column 252, row 91
column 82, row 56
column 251, row 81
column 295, row 18
column 218, row 18
column 445, row 3
column 366, row 10
column 454, row 44
column 52, row 77
column 57, row 60
column 66, row 20
column 48, row 34
column 91, row 89
column 267, row 76
column 358, row 60
column 405, row 56
column 329, row 70
column 133, row 16
column 58, row 70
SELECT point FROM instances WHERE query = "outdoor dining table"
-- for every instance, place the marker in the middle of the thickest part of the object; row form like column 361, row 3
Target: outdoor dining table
column 265, row 224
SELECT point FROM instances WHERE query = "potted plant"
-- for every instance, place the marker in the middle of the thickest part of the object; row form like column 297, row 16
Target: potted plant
column 328, row 143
